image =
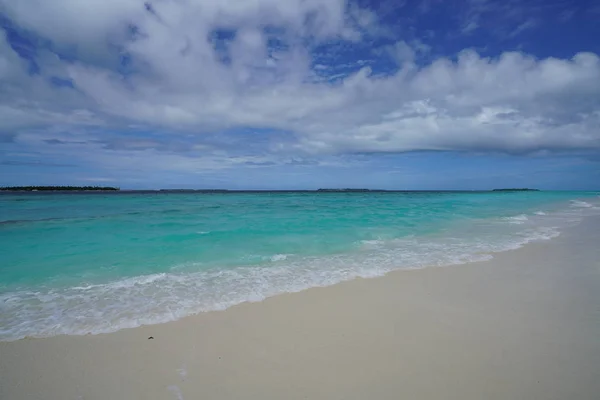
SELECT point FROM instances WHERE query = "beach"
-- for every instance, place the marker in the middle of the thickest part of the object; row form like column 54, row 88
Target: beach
column 524, row 325
column 300, row 199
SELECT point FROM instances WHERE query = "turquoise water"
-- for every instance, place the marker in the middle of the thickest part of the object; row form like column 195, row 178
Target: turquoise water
column 78, row 263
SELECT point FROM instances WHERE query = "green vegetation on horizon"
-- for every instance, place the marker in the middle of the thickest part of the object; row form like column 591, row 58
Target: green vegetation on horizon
column 110, row 188
column 57, row 188
column 516, row 190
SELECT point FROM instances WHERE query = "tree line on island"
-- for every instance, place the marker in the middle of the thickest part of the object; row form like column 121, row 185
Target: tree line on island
column 516, row 190
column 114, row 189
column 58, row 188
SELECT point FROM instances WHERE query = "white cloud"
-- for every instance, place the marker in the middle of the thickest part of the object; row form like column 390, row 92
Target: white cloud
column 402, row 53
column 177, row 81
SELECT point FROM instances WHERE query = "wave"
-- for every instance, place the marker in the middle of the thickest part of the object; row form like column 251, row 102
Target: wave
column 127, row 283
column 581, row 204
column 278, row 257
column 539, row 213
column 372, row 242
column 517, row 219
column 163, row 297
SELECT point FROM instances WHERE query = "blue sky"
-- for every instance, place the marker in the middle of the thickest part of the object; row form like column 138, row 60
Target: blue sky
column 267, row 94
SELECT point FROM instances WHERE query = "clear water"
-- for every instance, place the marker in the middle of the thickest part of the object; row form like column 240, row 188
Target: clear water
column 79, row 263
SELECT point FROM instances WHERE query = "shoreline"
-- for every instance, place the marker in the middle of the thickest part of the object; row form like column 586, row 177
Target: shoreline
column 485, row 258
column 522, row 325
column 194, row 294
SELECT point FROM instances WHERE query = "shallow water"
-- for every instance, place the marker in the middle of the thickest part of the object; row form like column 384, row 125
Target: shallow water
column 79, row 263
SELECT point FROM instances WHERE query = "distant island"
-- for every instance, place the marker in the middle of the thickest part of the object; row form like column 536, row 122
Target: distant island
column 347, row 190
column 223, row 191
column 194, row 190
column 516, row 190
column 58, row 188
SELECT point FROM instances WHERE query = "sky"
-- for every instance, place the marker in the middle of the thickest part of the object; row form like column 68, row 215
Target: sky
column 300, row 94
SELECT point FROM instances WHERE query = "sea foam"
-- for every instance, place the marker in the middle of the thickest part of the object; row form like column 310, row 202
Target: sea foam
column 581, row 204
column 517, row 219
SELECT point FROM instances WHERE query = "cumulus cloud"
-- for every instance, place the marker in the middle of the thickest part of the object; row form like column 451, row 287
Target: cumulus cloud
column 199, row 67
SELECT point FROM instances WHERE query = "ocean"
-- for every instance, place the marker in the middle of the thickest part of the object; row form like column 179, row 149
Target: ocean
column 77, row 263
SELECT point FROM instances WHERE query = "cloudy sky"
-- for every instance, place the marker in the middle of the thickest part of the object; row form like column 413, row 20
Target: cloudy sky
column 266, row 94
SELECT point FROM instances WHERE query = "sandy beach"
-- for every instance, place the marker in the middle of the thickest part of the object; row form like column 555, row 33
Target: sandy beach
column 525, row 325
